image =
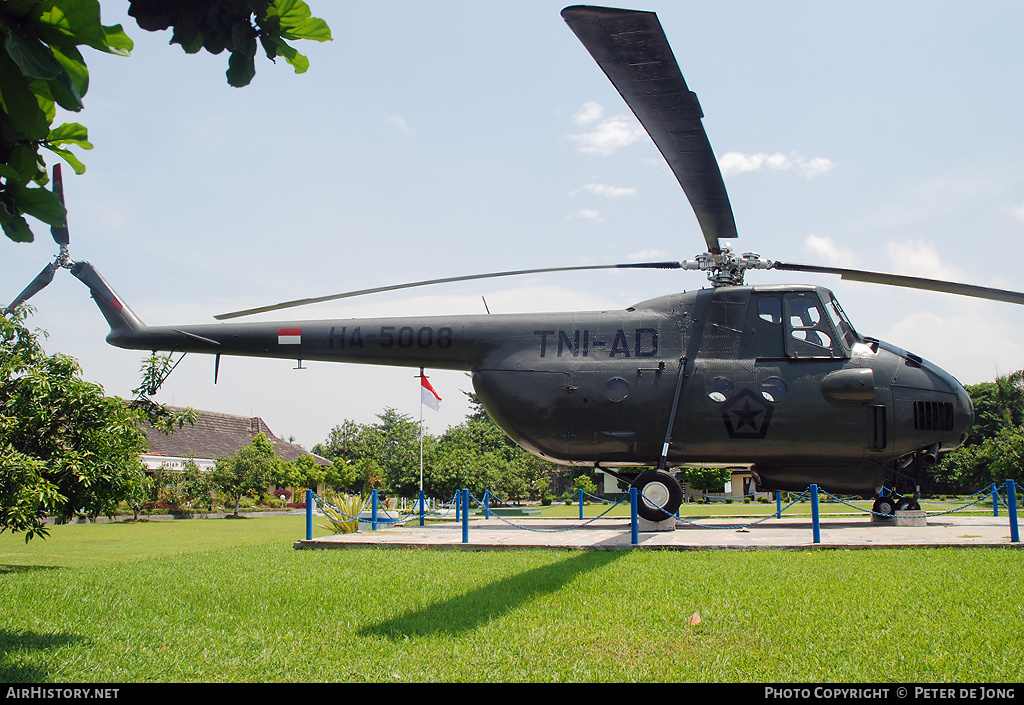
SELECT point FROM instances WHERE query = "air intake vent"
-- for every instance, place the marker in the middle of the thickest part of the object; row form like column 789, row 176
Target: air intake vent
column 933, row 416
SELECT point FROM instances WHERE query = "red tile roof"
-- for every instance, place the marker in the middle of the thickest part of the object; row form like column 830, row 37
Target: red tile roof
column 216, row 435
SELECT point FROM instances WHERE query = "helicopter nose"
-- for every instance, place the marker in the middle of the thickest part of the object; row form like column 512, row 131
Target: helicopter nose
column 964, row 420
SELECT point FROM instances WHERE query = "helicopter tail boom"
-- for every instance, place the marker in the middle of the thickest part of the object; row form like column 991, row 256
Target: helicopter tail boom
column 121, row 319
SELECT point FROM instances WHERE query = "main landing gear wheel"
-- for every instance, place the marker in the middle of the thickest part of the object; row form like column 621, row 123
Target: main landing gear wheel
column 659, row 495
column 885, row 506
column 908, row 504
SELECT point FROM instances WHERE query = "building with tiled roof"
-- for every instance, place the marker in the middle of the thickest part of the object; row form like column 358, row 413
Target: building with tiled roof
column 213, row 435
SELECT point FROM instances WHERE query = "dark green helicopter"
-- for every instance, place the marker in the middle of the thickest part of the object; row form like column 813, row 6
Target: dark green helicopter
column 775, row 377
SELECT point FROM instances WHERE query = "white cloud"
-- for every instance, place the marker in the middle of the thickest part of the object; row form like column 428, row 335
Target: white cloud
column 591, row 112
column 1018, row 213
column 919, row 259
column 607, row 190
column 645, row 255
column 824, row 248
column 586, row 214
column 604, row 135
column 400, row 123
column 737, row 163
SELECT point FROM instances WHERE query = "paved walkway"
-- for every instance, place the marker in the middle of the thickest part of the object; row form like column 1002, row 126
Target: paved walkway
column 709, row 534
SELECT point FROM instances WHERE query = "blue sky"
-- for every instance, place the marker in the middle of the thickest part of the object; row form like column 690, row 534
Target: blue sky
column 440, row 139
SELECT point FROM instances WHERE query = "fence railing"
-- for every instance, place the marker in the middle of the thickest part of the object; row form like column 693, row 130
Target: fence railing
column 459, row 508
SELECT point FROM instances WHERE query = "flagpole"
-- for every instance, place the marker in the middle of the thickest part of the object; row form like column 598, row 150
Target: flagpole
column 421, row 432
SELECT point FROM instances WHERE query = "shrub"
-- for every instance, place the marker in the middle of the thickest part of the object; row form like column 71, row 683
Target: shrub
column 342, row 511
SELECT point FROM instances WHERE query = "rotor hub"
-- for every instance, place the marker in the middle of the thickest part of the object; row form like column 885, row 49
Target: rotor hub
column 726, row 269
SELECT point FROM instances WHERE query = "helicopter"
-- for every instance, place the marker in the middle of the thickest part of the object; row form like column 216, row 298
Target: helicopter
column 771, row 376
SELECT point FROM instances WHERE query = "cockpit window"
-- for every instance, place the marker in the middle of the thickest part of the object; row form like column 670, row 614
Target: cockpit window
column 803, row 313
column 809, row 332
column 841, row 322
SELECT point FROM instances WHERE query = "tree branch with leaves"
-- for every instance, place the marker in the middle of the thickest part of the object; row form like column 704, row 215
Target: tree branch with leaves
column 42, row 68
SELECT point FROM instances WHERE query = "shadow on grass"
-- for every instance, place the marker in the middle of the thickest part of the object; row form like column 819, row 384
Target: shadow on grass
column 11, row 568
column 467, row 612
column 18, row 658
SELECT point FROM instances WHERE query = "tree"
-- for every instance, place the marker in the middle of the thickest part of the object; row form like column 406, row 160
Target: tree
column 42, row 68
column 708, row 479
column 65, row 447
column 994, row 445
column 1010, row 397
column 249, row 470
column 477, row 455
column 301, row 473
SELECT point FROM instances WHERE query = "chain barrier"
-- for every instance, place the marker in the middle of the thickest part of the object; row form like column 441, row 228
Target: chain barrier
column 558, row 530
column 337, row 515
column 743, row 526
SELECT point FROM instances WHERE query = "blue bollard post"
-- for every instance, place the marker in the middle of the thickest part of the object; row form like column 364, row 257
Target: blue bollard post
column 995, row 500
column 778, row 505
column 634, row 527
column 309, row 515
column 814, row 513
column 1011, row 502
column 581, row 505
column 465, row 516
column 422, row 509
column 373, row 511
column 487, row 504
column 457, row 500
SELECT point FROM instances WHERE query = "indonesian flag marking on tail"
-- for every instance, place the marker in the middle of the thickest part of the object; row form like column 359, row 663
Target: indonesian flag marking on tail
column 428, row 396
column 289, row 336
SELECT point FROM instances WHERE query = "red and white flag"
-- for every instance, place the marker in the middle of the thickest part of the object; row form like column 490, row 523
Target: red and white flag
column 427, row 394
column 289, row 336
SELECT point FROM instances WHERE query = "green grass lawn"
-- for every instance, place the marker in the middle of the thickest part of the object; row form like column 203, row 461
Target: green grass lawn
column 230, row 600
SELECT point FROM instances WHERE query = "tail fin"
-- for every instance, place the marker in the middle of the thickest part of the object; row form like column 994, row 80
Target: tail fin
column 122, row 320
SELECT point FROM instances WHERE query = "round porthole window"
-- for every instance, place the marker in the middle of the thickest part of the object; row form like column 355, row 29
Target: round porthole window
column 616, row 389
column 719, row 389
column 773, row 389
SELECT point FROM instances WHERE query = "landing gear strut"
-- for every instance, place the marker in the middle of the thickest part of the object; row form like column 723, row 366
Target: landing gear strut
column 890, row 500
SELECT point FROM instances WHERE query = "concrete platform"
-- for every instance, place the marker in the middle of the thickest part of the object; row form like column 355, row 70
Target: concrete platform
column 741, row 534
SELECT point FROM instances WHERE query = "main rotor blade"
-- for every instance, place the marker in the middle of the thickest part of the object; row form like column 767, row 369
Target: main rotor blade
column 470, row 277
column 59, row 232
column 632, row 49
column 35, row 286
column 981, row 292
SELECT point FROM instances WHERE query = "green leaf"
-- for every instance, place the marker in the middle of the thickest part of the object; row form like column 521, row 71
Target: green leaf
column 291, row 55
column 297, row 21
column 70, row 133
column 74, row 66
column 23, row 108
column 80, row 21
column 241, row 69
column 65, row 93
column 26, row 162
column 14, row 226
column 69, row 157
column 32, row 56
column 39, row 203
column 118, row 42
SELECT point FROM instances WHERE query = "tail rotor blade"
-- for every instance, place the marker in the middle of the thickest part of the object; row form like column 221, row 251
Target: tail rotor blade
column 35, row 286
column 59, row 232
